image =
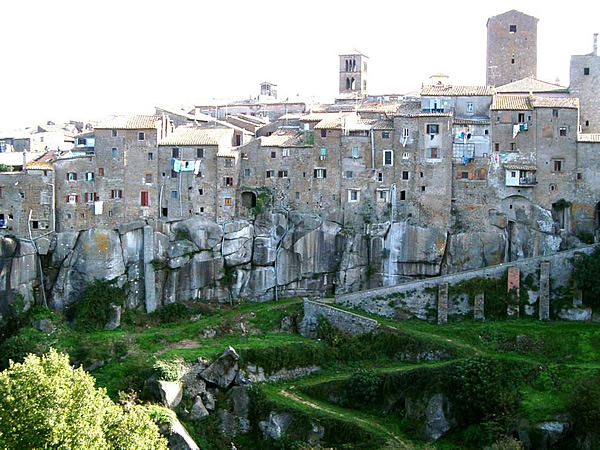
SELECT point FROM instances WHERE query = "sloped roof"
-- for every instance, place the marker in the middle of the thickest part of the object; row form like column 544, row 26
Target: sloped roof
column 39, row 165
column 511, row 103
column 129, row 122
column 588, row 137
column 279, row 139
column 530, row 84
column 556, row 102
column 317, row 117
column 514, row 166
column 196, row 136
column 456, row 91
column 512, row 12
column 352, row 51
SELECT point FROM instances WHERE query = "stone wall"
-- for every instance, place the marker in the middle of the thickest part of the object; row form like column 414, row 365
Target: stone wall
column 418, row 299
column 345, row 321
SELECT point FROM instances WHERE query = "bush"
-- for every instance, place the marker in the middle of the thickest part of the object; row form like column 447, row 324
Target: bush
column 168, row 370
column 586, row 276
column 92, row 310
column 362, row 388
column 584, row 404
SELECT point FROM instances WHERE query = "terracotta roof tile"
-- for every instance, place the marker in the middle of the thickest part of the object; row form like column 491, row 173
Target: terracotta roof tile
column 456, row 91
column 530, row 84
column 129, row 122
column 556, row 102
column 511, row 103
column 197, row 136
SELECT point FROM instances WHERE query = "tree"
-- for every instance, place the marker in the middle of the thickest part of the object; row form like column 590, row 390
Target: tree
column 45, row 403
column 586, row 276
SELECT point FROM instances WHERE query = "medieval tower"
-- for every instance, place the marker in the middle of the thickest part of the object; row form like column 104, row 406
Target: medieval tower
column 353, row 73
column 585, row 84
column 511, row 48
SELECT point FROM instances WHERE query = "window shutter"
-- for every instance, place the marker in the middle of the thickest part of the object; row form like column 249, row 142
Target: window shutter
column 67, row 199
column 112, row 194
column 315, row 173
column 470, row 175
column 75, row 176
column 120, row 193
column 77, row 199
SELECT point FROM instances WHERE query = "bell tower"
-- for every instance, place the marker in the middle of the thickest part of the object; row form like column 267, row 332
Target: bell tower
column 353, row 73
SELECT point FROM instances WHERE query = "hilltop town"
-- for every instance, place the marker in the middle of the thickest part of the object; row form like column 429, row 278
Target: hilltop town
column 515, row 160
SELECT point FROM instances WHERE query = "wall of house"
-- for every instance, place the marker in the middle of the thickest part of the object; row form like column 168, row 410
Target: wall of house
column 586, row 88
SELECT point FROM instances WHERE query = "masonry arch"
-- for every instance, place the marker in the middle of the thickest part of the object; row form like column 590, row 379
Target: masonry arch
column 248, row 199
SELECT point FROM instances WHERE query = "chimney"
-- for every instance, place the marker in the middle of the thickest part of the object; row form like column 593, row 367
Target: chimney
column 595, row 44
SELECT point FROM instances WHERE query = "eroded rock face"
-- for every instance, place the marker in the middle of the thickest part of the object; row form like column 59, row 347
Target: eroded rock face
column 18, row 274
column 179, row 439
column 276, row 425
column 171, row 393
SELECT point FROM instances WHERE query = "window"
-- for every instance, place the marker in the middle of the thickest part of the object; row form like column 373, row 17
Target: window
column 115, row 152
column 116, row 193
column 148, row 178
column 562, row 131
column 100, row 171
column 388, row 158
column 552, row 187
column 512, row 29
column 323, row 133
column 199, row 175
column 246, row 172
column 579, row 176
column 227, row 181
column 285, row 152
column 464, row 175
column 405, row 132
column 405, row 155
column 199, row 153
column 227, row 201
column 405, row 175
column 113, row 133
column 141, row 136
column 496, row 146
column 228, row 162
column 353, row 195
column 434, row 153
column 71, row 176
column 273, row 154
column 175, row 152
column 144, row 198
column 557, row 165
column 89, row 176
column 323, row 153
column 513, row 174
column 421, row 174
column 72, row 199
column 349, row 174
column 90, row 197
column 150, row 156
column 433, row 128
column 513, row 146
column 174, row 194
column 469, row 107
column 521, row 117
column 512, row 60
column 422, row 188
column 282, row 174
column 297, row 195
column 270, row 173
column 379, row 176
column 355, row 152
column 586, row 70
column 402, row 195
column 555, row 113
column 382, row 196
column 320, row 173
column 44, row 197
column 174, row 174
column 35, row 224
column 385, row 135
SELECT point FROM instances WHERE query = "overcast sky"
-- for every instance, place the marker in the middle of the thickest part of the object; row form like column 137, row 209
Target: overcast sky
column 85, row 59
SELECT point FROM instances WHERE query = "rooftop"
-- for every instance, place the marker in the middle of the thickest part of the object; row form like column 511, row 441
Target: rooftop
column 530, row 85
column 196, row 136
column 129, row 122
column 456, row 91
column 511, row 103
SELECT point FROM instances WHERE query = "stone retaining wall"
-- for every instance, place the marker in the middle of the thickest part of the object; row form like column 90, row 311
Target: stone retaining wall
column 345, row 321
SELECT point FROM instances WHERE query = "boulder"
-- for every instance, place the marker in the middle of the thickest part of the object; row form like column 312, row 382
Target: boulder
column 114, row 320
column 208, row 400
column 576, row 314
column 171, row 393
column 224, row 370
column 198, row 411
column 44, row 325
column 206, row 234
column 179, row 439
column 276, row 425
column 438, row 422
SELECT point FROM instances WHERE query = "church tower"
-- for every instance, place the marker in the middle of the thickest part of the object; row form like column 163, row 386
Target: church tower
column 511, row 48
column 353, row 73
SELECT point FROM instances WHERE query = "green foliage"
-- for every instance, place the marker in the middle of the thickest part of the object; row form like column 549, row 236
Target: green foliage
column 92, row 310
column 168, row 370
column 171, row 313
column 20, row 345
column 263, row 202
column 485, row 388
column 496, row 296
column 272, row 359
column 584, row 404
column 561, row 204
column 585, row 237
column 45, row 403
column 362, row 388
column 5, row 168
column 506, row 443
column 161, row 416
column 481, row 434
column 586, row 276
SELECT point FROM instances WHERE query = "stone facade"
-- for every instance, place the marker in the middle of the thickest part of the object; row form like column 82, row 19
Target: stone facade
column 350, row 323
column 353, row 73
column 511, row 48
column 585, row 85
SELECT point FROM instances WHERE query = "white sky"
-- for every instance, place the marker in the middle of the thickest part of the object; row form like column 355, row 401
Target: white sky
column 81, row 59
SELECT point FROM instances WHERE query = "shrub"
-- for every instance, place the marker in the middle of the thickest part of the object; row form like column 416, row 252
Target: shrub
column 584, row 404
column 362, row 388
column 586, row 276
column 168, row 370
column 92, row 310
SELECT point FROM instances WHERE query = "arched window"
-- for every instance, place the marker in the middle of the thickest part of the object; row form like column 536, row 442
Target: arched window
column 347, row 83
column 353, row 84
column 353, row 65
column 347, row 65
column 480, row 174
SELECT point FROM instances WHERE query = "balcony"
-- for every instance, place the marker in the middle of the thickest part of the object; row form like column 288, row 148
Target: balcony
column 520, row 175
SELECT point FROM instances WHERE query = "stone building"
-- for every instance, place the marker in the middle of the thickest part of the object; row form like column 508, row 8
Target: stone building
column 353, row 74
column 196, row 174
column 511, row 48
column 585, row 85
